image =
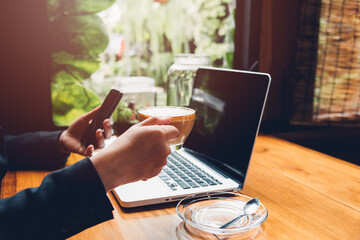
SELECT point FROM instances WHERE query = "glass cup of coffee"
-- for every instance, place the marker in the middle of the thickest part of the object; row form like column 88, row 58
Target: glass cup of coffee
column 182, row 118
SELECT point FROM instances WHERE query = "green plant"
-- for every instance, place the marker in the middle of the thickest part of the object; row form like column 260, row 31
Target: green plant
column 78, row 36
column 154, row 33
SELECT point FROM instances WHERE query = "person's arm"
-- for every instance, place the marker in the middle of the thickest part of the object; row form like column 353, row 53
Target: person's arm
column 73, row 199
column 50, row 150
column 38, row 150
column 67, row 202
column 138, row 154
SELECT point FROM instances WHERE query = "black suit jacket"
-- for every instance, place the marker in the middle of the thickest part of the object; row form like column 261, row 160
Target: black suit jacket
column 67, row 201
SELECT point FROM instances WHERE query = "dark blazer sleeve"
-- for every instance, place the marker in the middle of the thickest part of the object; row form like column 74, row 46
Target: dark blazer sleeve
column 37, row 150
column 67, row 202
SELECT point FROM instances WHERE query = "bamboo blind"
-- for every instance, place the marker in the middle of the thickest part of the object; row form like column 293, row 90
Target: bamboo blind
column 327, row 73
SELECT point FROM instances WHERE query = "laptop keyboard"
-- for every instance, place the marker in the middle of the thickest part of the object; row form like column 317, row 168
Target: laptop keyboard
column 180, row 173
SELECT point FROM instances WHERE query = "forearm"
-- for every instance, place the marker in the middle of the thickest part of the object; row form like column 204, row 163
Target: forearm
column 67, row 202
column 37, row 150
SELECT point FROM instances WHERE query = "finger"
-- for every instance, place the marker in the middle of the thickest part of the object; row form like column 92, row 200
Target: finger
column 89, row 151
column 107, row 128
column 82, row 150
column 90, row 115
column 163, row 163
column 170, row 131
column 100, row 139
column 155, row 121
column 156, row 172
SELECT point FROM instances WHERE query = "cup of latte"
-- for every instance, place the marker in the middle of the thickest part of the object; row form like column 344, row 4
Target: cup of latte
column 181, row 117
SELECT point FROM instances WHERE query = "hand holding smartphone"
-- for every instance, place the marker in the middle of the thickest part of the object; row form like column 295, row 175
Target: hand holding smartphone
column 105, row 111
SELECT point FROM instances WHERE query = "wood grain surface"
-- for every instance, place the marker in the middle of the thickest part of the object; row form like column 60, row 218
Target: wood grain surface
column 308, row 195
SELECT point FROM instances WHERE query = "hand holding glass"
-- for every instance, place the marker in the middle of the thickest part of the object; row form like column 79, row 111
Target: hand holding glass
column 181, row 117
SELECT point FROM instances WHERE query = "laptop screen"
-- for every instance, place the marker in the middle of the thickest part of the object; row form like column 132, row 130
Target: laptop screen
column 229, row 106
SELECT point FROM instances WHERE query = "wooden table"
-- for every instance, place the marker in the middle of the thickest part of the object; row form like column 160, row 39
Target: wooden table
column 309, row 195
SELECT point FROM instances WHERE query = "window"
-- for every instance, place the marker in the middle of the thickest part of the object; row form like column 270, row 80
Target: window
column 327, row 75
column 94, row 44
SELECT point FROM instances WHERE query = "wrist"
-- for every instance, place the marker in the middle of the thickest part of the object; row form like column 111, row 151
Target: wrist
column 110, row 176
column 61, row 143
column 102, row 171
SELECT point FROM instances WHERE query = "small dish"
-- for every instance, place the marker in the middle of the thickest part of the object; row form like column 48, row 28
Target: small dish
column 209, row 213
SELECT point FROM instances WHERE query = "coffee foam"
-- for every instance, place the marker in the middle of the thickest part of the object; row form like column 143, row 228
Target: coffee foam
column 166, row 111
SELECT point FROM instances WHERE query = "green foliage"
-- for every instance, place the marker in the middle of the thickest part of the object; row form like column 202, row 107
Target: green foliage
column 154, row 33
column 80, row 66
column 78, row 36
column 122, row 113
column 58, row 8
column 70, row 99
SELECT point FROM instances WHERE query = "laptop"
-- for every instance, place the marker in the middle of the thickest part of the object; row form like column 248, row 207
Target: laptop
column 229, row 105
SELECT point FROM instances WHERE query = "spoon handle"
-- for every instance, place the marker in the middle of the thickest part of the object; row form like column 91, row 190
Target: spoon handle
column 231, row 222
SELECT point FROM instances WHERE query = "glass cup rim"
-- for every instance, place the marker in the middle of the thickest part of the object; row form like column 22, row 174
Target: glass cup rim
column 191, row 111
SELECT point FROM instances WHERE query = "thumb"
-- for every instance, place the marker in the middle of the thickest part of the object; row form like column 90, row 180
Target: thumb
column 155, row 121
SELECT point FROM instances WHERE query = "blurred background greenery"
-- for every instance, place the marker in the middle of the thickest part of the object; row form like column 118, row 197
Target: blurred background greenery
column 96, row 42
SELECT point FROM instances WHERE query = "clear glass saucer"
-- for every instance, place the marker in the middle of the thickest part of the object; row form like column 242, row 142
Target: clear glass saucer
column 209, row 213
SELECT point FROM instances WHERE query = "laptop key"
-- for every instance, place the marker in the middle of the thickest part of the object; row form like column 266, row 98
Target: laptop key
column 204, row 184
column 193, row 185
column 183, row 185
column 185, row 174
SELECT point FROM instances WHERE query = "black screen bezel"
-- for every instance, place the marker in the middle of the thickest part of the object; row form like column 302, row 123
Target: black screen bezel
column 259, row 84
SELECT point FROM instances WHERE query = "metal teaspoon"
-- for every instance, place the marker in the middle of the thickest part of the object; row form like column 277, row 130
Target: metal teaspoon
column 250, row 207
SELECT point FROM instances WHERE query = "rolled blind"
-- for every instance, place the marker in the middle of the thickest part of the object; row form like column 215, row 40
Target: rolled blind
column 327, row 73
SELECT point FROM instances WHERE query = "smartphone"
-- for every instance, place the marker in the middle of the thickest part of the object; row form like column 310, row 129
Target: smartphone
column 107, row 108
